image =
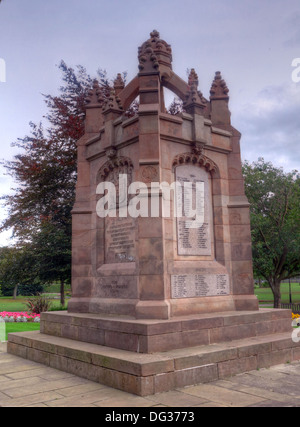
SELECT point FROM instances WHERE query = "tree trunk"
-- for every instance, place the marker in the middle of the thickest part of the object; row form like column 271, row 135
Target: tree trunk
column 277, row 293
column 15, row 292
column 62, row 292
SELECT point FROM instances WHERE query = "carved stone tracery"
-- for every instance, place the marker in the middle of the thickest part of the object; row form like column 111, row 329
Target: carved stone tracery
column 115, row 167
column 195, row 159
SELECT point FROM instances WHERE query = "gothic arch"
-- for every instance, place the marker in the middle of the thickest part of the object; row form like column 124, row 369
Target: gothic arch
column 124, row 164
column 198, row 160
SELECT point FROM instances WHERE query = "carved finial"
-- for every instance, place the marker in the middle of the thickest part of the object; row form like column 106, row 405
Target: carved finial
column 147, row 56
column 94, row 97
column 119, row 83
column 155, row 34
column 154, row 52
column 193, row 78
column 113, row 103
column 194, row 98
column 219, row 89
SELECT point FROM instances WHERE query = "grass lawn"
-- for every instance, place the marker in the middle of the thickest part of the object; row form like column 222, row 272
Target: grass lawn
column 21, row 327
column 265, row 295
column 11, row 305
column 19, row 304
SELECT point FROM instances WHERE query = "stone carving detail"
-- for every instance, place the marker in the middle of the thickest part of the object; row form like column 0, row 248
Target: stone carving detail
column 94, row 97
column 115, row 167
column 198, row 147
column 154, row 52
column 194, row 96
column 148, row 173
column 111, row 153
column 113, row 171
column 219, row 89
column 195, row 159
column 113, row 103
column 193, row 78
column 119, row 83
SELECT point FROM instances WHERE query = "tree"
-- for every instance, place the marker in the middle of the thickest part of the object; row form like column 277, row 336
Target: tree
column 176, row 107
column 275, row 222
column 53, row 264
column 45, row 172
column 18, row 271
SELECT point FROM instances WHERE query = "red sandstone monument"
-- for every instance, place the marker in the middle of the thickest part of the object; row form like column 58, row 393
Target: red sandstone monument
column 182, row 296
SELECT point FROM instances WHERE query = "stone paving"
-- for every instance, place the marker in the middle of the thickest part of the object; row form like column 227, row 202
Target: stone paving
column 28, row 384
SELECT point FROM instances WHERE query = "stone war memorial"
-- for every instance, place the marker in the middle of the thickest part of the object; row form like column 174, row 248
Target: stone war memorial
column 162, row 286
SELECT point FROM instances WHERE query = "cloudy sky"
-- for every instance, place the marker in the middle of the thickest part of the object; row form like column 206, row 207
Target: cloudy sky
column 253, row 43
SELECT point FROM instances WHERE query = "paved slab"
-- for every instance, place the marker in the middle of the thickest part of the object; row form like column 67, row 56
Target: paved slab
column 27, row 384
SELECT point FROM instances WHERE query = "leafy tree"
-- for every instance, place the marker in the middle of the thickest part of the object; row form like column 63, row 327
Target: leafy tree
column 18, row 271
column 275, row 221
column 176, row 107
column 52, row 253
column 45, row 172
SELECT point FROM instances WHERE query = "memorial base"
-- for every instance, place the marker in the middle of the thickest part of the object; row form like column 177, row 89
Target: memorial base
column 176, row 353
column 163, row 309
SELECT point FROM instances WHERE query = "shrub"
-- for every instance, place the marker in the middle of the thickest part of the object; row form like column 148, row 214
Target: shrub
column 39, row 304
column 30, row 289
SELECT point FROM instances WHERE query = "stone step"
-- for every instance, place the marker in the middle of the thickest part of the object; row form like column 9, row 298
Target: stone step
column 152, row 336
column 147, row 374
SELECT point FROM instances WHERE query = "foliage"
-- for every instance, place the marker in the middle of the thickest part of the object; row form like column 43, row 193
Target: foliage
column 29, row 289
column 275, row 221
column 176, row 107
column 17, row 269
column 39, row 304
column 45, row 171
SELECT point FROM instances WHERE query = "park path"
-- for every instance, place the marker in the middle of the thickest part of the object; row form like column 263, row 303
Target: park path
column 28, row 384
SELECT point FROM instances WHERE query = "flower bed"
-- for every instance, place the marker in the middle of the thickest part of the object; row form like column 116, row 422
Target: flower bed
column 296, row 320
column 20, row 317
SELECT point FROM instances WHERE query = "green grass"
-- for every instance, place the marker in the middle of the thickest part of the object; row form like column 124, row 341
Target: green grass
column 19, row 304
column 11, row 305
column 265, row 295
column 21, row 327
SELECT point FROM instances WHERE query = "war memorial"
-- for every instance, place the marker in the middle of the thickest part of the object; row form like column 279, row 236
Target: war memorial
column 162, row 280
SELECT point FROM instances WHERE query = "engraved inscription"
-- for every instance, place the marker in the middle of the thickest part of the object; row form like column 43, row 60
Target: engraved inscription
column 120, row 240
column 193, row 241
column 117, row 287
column 200, row 285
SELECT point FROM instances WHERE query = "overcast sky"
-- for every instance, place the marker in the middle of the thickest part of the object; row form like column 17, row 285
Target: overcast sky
column 253, row 43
